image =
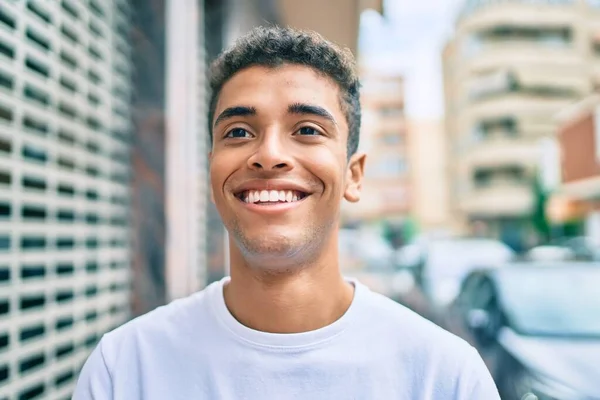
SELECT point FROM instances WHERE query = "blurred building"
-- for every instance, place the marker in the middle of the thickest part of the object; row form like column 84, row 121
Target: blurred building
column 509, row 68
column 65, row 139
column 169, row 152
column 427, row 156
column 579, row 139
column 385, row 194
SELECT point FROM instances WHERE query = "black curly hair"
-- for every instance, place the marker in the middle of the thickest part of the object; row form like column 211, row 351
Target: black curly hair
column 274, row 46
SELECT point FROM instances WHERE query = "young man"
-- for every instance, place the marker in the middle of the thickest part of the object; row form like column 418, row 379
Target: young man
column 285, row 119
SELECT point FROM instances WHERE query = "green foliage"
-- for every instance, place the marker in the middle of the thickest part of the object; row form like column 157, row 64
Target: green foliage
column 539, row 218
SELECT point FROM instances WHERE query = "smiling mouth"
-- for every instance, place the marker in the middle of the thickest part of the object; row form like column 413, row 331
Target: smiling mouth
column 266, row 197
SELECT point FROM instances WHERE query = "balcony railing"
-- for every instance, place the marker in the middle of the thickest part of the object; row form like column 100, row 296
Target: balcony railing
column 499, row 197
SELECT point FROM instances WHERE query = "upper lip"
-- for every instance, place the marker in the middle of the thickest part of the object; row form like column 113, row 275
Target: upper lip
column 271, row 184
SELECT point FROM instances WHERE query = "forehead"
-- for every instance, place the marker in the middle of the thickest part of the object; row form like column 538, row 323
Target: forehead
column 270, row 89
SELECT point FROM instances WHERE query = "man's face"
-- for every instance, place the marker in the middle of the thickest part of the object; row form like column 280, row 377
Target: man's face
column 279, row 166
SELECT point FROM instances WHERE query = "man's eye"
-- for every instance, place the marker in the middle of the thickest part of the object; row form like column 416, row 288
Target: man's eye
column 308, row 131
column 237, row 133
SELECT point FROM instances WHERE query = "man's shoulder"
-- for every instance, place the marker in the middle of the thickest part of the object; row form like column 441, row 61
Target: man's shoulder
column 430, row 352
column 163, row 323
column 410, row 331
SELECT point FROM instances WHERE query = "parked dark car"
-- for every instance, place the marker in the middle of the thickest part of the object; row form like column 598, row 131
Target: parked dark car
column 537, row 327
column 440, row 265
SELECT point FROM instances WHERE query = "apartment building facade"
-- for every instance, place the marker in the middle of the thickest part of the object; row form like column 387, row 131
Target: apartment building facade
column 510, row 67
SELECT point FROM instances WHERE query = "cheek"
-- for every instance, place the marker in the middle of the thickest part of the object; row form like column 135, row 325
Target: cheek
column 218, row 173
column 330, row 170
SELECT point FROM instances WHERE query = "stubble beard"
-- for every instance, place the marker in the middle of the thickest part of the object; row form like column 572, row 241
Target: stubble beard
column 280, row 253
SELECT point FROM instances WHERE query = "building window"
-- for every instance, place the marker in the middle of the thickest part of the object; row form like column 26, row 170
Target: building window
column 64, row 322
column 65, row 190
column 4, row 242
column 485, row 177
column 7, row 19
column 34, row 183
column 5, row 210
column 63, row 243
column 558, row 37
column 4, row 277
column 37, row 67
column 4, row 306
column 66, row 268
column 33, row 271
column 33, row 301
column 5, row 145
column 33, row 242
column 64, row 296
column 64, row 378
column 391, row 111
column 32, row 332
column 64, row 350
column 4, row 373
column 34, row 125
column 4, row 341
column 390, row 167
column 392, row 139
column 33, row 392
column 39, row 12
column 504, row 127
column 33, row 213
column 69, row 8
column 31, row 153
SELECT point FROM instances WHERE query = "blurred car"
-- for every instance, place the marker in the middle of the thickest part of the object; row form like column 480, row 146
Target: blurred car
column 412, row 254
column 365, row 249
column 537, row 326
column 441, row 265
column 550, row 253
column 584, row 248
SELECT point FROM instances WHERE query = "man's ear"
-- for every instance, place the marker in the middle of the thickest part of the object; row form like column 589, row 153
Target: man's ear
column 212, row 195
column 355, row 172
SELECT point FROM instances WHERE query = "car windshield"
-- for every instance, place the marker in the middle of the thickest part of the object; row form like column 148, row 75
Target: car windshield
column 553, row 301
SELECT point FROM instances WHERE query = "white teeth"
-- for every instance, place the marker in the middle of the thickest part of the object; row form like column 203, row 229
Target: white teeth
column 273, row 196
column 264, row 196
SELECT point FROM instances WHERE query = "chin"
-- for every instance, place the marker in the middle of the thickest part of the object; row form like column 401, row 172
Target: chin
column 269, row 244
column 282, row 251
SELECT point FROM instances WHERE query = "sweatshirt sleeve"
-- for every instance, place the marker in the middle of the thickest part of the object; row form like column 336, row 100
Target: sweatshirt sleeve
column 477, row 381
column 95, row 382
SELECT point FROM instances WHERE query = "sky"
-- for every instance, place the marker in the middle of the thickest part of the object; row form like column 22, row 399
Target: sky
column 409, row 40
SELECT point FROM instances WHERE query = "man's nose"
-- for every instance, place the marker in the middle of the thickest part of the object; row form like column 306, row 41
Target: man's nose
column 272, row 153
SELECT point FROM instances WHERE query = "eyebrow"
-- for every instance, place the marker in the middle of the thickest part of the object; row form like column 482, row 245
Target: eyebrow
column 309, row 109
column 237, row 111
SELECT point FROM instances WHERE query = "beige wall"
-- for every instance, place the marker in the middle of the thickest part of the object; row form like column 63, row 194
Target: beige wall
column 336, row 20
column 429, row 183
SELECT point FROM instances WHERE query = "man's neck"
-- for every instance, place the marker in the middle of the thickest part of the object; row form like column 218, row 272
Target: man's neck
column 293, row 302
